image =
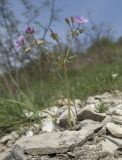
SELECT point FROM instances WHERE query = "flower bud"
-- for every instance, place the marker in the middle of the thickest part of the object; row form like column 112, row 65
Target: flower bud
column 54, row 35
column 67, row 21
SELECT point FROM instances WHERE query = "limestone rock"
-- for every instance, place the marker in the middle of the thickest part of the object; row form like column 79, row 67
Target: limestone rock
column 89, row 124
column 107, row 119
column 108, row 146
column 116, row 110
column 88, row 113
column 29, row 133
column 5, row 156
column 118, row 153
column 88, row 152
column 48, row 125
column 114, row 129
column 18, row 153
column 56, row 142
column 117, row 119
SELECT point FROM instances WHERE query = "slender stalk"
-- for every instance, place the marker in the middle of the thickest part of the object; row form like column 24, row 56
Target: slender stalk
column 68, row 94
column 67, row 83
column 68, row 50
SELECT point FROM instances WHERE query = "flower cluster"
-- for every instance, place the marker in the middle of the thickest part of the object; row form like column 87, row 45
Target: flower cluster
column 79, row 21
column 21, row 40
column 30, row 30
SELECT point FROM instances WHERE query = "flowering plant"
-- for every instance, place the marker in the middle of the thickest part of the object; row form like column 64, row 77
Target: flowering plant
column 74, row 24
column 75, row 28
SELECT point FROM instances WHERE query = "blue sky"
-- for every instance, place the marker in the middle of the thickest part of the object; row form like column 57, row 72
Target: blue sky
column 107, row 11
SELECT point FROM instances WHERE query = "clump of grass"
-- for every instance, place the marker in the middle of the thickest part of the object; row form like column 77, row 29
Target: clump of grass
column 101, row 108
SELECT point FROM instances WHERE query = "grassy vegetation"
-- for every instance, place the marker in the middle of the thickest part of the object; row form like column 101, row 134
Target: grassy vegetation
column 86, row 78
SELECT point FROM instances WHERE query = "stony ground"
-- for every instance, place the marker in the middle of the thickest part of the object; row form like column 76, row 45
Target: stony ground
column 96, row 132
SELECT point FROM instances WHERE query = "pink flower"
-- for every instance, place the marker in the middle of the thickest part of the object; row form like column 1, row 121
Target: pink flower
column 29, row 30
column 80, row 20
column 20, row 41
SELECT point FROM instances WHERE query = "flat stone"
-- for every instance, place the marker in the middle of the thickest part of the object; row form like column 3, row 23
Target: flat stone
column 5, row 156
column 56, row 142
column 48, row 125
column 108, row 146
column 89, row 124
column 114, row 129
column 107, row 119
column 88, row 152
column 88, row 113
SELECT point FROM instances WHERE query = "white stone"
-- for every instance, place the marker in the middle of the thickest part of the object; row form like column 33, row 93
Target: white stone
column 107, row 119
column 29, row 133
column 114, row 129
column 48, row 125
column 89, row 124
column 108, row 146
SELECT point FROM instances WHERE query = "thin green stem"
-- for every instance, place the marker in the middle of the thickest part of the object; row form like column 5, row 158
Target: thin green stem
column 69, row 47
column 68, row 94
column 67, row 82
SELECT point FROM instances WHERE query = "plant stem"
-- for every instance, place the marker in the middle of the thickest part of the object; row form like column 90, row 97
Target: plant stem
column 69, row 47
column 68, row 94
column 67, row 83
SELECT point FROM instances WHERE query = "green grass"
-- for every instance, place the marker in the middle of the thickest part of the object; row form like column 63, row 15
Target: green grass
column 101, row 108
